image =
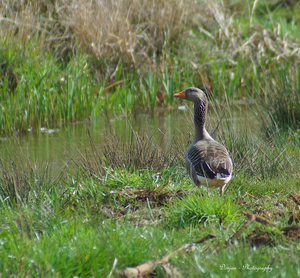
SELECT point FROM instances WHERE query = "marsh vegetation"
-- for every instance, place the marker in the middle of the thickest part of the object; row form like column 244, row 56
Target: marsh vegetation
column 118, row 203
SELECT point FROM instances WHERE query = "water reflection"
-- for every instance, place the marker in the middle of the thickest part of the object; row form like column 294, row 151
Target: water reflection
column 52, row 147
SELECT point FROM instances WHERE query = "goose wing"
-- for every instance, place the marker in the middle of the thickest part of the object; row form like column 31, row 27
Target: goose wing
column 210, row 158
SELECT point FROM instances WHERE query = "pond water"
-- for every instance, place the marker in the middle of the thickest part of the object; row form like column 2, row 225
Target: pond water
column 52, row 145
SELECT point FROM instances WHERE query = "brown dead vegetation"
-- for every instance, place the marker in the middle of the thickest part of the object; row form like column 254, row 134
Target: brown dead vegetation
column 129, row 32
column 253, row 217
column 140, row 206
column 295, row 198
column 280, row 209
column 136, row 33
column 157, row 198
column 260, row 236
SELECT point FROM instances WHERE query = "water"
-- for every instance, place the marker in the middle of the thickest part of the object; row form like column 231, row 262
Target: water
column 57, row 145
column 52, row 145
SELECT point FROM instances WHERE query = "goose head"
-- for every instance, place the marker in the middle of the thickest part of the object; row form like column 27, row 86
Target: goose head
column 199, row 99
column 192, row 94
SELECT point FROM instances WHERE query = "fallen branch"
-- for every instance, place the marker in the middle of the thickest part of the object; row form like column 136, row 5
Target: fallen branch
column 254, row 217
column 145, row 269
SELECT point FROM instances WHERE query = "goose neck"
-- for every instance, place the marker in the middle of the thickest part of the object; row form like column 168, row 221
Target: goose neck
column 199, row 119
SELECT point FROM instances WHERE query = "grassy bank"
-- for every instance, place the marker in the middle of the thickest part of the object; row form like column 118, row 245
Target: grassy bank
column 81, row 227
column 66, row 61
column 125, row 204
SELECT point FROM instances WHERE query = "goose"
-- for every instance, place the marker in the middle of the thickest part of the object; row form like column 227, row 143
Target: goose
column 207, row 161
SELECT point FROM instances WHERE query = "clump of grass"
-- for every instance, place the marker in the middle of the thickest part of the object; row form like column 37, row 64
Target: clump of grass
column 282, row 100
column 39, row 92
column 198, row 208
column 139, row 152
column 20, row 178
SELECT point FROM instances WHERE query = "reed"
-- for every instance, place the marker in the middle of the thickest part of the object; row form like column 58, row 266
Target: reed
column 282, row 99
column 60, row 59
column 21, row 178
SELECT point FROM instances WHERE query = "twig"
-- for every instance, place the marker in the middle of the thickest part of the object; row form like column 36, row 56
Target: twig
column 290, row 228
column 145, row 269
column 113, row 268
column 254, row 217
column 295, row 199
column 113, row 84
column 250, row 195
column 204, row 239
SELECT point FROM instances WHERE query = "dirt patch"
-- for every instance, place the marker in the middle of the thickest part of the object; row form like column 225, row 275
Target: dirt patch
column 112, row 212
column 291, row 232
column 156, row 198
column 141, row 206
column 260, row 237
column 281, row 208
column 294, row 218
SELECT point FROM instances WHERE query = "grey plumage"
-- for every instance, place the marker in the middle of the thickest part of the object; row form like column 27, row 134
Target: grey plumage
column 208, row 158
column 207, row 161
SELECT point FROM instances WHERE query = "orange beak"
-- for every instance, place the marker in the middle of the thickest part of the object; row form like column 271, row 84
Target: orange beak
column 180, row 95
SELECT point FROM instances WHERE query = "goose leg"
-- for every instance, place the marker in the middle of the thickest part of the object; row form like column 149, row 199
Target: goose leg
column 222, row 189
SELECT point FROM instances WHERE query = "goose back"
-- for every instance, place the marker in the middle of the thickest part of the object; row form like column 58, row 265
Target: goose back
column 208, row 163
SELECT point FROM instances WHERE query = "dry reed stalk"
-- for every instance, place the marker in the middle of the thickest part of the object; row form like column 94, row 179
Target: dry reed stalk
column 136, row 33
column 129, row 32
column 140, row 151
column 259, row 39
column 19, row 176
column 26, row 21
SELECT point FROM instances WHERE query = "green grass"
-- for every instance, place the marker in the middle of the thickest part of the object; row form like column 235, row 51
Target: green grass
column 197, row 209
column 80, row 228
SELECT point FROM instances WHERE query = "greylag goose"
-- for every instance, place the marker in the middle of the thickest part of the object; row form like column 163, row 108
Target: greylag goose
column 207, row 161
